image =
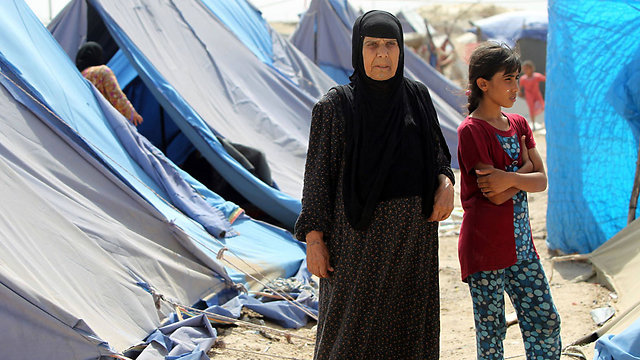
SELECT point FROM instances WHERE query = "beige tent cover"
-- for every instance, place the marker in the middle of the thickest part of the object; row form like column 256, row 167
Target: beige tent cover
column 617, row 264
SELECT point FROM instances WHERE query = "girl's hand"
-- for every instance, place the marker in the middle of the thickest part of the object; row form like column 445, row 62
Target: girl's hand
column 527, row 164
column 443, row 200
column 317, row 255
column 493, row 181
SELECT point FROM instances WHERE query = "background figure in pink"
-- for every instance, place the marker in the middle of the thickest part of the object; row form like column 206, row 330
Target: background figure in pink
column 529, row 82
column 90, row 62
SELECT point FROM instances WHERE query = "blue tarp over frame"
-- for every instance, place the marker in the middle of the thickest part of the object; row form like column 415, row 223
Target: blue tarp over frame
column 592, row 119
column 251, row 94
column 37, row 61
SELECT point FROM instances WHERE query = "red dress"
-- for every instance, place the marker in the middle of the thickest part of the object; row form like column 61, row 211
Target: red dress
column 532, row 93
column 486, row 236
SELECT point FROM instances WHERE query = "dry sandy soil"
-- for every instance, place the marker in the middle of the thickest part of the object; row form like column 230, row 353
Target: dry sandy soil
column 574, row 301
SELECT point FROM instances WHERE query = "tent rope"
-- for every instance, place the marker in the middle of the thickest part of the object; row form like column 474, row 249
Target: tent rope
column 261, row 354
column 286, row 297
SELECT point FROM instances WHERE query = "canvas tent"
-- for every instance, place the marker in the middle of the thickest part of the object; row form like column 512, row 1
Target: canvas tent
column 617, row 264
column 324, row 35
column 89, row 229
column 218, row 71
column 592, row 120
column 524, row 30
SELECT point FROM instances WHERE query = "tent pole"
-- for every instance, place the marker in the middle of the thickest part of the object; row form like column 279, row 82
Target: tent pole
column 633, row 203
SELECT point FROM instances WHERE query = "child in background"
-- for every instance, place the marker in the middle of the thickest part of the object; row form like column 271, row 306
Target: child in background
column 499, row 164
column 90, row 62
column 530, row 84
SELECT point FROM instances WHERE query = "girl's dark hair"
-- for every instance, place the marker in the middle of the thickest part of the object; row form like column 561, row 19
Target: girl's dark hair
column 486, row 60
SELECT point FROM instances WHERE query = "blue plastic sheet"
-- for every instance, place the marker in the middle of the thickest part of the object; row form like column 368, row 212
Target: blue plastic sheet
column 624, row 346
column 189, row 339
column 592, row 148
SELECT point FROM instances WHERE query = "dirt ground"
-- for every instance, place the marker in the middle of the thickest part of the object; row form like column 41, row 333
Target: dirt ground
column 574, row 301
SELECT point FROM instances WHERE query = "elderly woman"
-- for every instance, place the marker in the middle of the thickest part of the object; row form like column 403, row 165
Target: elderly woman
column 377, row 181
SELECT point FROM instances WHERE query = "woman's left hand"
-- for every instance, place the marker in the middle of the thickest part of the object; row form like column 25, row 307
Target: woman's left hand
column 443, row 200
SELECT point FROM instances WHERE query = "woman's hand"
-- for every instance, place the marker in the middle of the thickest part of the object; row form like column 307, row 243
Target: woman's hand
column 443, row 200
column 318, row 255
column 493, row 181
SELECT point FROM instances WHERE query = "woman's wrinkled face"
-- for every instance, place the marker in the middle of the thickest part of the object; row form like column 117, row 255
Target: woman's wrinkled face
column 380, row 57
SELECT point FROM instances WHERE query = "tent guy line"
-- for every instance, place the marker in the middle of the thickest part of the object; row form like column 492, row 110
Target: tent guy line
column 220, row 253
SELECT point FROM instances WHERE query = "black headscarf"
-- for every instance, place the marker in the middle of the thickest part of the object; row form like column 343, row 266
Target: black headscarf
column 90, row 54
column 376, row 130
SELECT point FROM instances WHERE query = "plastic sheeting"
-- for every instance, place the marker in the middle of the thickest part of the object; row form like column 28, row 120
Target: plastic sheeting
column 624, row 346
column 324, row 35
column 593, row 52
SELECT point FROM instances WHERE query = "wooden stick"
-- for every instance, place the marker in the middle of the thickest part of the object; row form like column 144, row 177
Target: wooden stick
column 633, row 203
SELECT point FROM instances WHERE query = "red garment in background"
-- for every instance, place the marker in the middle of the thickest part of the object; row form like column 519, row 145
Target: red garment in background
column 532, row 94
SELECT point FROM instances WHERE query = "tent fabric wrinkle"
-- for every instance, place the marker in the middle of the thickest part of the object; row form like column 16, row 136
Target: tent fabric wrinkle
column 165, row 173
column 187, row 338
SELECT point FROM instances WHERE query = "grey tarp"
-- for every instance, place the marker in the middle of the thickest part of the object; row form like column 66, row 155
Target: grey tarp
column 75, row 244
column 250, row 104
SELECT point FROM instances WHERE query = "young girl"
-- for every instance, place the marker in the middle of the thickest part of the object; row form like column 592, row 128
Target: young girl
column 499, row 164
column 530, row 84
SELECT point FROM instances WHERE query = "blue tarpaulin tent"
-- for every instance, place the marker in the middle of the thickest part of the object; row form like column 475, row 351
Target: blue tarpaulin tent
column 324, row 35
column 95, row 220
column 510, row 27
column 592, row 119
column 218, row 71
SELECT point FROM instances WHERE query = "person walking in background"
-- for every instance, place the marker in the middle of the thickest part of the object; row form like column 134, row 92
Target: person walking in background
column 530, row 83
column 499, row 164
column 377, row 181
column 90, row 62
